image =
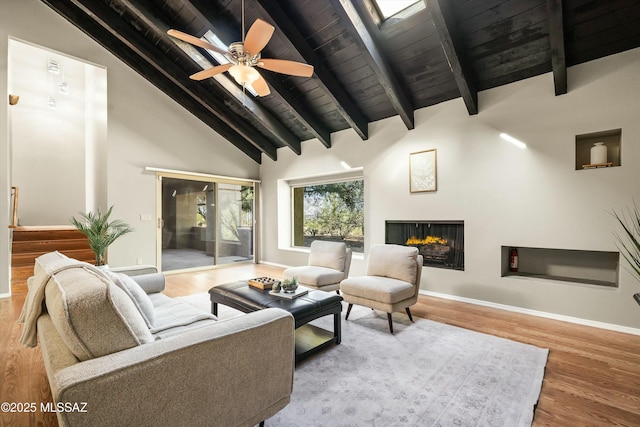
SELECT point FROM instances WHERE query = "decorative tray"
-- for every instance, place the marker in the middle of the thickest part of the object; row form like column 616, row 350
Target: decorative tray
column 262, row 283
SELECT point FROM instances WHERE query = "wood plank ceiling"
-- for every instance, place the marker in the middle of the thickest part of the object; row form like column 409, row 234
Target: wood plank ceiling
column 366, row 68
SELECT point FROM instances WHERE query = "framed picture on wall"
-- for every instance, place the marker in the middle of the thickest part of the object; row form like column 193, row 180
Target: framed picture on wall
column 423, row 171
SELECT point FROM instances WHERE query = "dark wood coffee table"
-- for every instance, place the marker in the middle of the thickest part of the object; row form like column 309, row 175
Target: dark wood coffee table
column 309, row 338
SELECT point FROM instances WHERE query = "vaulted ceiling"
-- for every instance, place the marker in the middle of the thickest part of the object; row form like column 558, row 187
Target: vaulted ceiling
column 365, row 68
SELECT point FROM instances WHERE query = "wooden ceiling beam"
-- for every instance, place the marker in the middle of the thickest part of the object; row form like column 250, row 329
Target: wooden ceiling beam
column 228, row 33
column 261, row 115
column 464, row 76
column 78, row 16
column 299, row 110
column 556, row 39
column 326, row 80
column 365, row 29
column 246, row 102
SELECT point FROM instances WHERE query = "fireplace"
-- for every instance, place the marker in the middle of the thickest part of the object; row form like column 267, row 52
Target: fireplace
column 441, row 243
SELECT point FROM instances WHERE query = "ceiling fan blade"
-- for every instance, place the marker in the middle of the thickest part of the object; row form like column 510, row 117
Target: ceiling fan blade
column 210, row 72
column 283, row 66
column 258, row 36
column 195, row 41
column 261, row 87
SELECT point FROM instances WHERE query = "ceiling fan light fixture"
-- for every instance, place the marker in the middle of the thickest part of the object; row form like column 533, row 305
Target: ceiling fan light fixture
column 241, row 57
column 244, row 74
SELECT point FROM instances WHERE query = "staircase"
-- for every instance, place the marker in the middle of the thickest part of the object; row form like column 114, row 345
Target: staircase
column 29, row 242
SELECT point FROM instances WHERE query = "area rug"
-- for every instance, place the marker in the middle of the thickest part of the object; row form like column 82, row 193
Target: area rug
column 426, row 374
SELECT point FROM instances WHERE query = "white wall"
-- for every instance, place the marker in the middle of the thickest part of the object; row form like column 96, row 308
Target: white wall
column 145, row 128
column 53, row 140
column 506, row 196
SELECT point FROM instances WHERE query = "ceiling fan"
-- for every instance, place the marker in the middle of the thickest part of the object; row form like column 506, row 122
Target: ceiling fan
column 244, row 57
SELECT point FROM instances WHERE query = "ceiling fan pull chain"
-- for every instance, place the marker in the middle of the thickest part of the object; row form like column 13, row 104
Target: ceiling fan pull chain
column 242, row 21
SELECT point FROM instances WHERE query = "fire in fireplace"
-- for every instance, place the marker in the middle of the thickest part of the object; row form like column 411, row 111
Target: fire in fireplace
column 441, row 243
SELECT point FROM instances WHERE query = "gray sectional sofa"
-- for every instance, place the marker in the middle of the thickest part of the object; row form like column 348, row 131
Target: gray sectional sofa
column 119, row 352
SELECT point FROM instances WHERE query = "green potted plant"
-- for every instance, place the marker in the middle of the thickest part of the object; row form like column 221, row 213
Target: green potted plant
column 629, row 243
column 100, row 232
column 290, row 285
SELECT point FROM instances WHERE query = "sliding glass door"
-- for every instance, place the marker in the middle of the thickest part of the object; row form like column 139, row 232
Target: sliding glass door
column 235, row 215
column 205, row 222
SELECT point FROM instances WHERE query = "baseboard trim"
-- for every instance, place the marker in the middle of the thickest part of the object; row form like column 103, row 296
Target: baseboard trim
column 552, row 316
column 273, row 264
column 5, row 295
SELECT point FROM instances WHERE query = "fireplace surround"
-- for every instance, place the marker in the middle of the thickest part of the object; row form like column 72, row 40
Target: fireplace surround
column 441, row 243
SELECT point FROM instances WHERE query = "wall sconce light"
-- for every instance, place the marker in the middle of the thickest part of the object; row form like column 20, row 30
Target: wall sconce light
column 13, row 99
column 63, row 87
column 52, row 67
column 637, row 298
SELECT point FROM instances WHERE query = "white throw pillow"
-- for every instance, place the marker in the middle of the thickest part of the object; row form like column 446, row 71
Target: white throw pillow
column 137, row 294
column 93, row 316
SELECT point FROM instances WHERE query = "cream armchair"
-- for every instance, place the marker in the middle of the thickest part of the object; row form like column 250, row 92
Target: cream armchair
column 391, row 284
column 328, row 265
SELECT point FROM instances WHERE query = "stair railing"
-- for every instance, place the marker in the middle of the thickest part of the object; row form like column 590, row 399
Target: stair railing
column 14, row 219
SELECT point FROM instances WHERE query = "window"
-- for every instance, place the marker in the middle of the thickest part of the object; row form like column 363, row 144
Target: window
column 389, row 8
column 332, row 211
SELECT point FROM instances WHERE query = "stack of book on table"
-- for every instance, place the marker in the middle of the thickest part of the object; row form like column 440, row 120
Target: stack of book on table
column 300, row 291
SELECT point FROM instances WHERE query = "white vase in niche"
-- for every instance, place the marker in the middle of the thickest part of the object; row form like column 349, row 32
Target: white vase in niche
column 598, row 153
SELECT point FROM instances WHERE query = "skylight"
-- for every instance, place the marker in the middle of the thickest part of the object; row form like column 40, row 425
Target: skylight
column 389, row 8
column 214, row 40
column 193, row 53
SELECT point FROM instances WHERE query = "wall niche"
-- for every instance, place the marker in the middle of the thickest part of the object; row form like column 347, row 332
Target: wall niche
column 609, row 139
column 598, row 268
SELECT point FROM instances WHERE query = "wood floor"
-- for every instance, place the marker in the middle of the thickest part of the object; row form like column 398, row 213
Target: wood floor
column 592, row 376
